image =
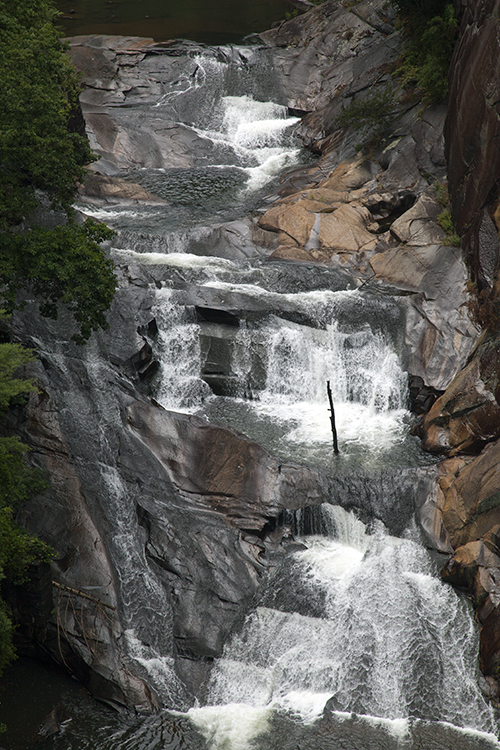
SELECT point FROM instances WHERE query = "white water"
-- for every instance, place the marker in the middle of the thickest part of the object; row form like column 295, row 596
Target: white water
column 367, row 381
column 256, row 132
column 393, row 642
column 381, row 636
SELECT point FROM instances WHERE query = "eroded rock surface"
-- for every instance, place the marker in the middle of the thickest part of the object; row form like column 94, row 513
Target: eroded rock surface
column 159, row 520
column 163, row 523
column 472, row 134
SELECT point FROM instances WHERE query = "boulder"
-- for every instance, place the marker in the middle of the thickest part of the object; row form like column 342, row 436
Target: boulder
column 103, row 188
column 472, row 498
column 467, row 415
column 345, row 230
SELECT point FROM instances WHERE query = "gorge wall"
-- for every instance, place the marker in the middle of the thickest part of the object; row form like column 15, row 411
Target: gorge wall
column 164, row 525
column 464, row 422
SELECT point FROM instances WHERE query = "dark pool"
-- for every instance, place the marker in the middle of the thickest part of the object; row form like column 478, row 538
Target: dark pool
column 207, row 21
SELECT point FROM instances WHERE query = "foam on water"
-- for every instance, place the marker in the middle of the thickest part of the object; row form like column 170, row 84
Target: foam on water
column 258, row 133
column 177, row 260
column 394, row 645
column 368, row 383
column 231, row 727
column 181, row 387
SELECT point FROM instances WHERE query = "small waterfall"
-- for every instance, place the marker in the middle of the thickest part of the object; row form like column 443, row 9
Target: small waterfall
column 178, row 345
column 278, row 370
column 392, row 641
column 237, row 138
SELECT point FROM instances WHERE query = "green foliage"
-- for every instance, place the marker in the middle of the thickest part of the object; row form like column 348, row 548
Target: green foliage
column 18, row 549
column 444, row 219
column 64, row 264
column 371, row 116
column 7, row 652
column 39, row 152
column 12, row 356
column 431, row 29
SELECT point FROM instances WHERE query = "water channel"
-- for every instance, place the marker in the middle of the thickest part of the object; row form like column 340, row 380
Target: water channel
column 354, row 642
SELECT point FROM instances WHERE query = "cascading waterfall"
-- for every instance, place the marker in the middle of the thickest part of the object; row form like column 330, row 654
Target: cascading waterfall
column 354, row 643
column 245, row 141
column 389, row 643
column 283, row 367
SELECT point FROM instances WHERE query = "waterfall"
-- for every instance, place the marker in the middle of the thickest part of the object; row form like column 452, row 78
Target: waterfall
column 225, row 102
column 354, row 641
column 391, row 643
column 279, row 369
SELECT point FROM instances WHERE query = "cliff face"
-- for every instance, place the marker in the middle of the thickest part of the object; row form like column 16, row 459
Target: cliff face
column 465, row 421
column 472, row 134
column 150, row 510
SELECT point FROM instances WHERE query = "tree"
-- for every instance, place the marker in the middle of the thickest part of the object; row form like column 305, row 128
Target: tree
column 17, row 483
column 42, row 157
column 430, row 28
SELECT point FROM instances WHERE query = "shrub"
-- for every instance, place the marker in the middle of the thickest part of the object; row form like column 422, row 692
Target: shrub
column 371, row 116
column 430, row 27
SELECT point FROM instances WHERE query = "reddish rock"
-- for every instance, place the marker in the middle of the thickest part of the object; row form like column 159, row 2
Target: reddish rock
column 467, row 415
column 472, row 131
column 472, row 498
column 98, row 187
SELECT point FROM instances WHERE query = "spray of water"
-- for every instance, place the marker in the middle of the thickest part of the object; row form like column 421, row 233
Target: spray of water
column 394, row 642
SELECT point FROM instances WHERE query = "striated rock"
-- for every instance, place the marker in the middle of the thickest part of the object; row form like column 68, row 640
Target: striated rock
column 158, row 519
column 467, row 561
column 467, row 415
column 98, row 187
column 472, row 131
column 333, row 49
column 472, row 498
column 469, row 499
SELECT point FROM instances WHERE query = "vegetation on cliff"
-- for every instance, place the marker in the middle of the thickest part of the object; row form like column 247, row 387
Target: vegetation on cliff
column 42, row 158
column 17, row 483
column 430, row 28
column 43, row 154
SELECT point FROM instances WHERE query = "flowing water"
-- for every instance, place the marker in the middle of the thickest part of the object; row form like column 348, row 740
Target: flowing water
column 354, row 641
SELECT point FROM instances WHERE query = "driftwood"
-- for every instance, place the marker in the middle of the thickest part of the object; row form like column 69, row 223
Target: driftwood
column 332, row 419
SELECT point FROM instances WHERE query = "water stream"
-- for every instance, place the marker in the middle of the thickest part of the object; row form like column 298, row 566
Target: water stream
column 354, row 641
column 378, row 640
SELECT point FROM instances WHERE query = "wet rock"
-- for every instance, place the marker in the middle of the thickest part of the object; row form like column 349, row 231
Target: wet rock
column 472, row 498
column 50, row 725
column 158, row 519
column 422, row 396
column 467, row 415
column 98, row 187
column 332, row 49
column 466, row 561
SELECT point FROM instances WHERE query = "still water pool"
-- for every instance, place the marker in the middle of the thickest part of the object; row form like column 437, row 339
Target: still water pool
column 207, row 21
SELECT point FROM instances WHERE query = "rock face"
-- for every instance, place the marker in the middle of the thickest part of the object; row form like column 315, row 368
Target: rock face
column 466, row 418
column 165, row 525
column 470, row 502
column 472, row 131
column 467, row 415
column 160, row 521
